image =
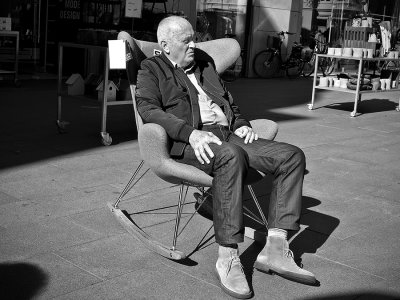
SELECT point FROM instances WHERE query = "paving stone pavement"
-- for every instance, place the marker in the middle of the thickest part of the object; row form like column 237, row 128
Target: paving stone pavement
column 60, row 241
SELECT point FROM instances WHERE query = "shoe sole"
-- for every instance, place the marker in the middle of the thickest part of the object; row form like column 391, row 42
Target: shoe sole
column 232, row 293
column 290, row 276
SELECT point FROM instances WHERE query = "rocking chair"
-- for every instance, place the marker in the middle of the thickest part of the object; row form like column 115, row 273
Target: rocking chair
column 153, row 144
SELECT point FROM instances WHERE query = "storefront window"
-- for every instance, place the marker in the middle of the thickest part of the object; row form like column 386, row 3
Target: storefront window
column 221, row 18
column 396, row 25
column 342, row 11
column 376, row 20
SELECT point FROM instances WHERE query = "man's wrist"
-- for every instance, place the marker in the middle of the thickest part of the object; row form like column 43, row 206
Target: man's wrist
column 185, row 132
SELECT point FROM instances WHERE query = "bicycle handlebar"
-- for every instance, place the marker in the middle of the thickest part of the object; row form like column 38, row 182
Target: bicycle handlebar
column 322, row 43
column 285, row 32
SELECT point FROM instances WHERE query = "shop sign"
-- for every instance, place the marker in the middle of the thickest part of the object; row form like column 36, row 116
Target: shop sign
column 70, row 10
column 133, row 8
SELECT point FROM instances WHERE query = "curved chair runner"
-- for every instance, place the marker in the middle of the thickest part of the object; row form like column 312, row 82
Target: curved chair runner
column 153, row 143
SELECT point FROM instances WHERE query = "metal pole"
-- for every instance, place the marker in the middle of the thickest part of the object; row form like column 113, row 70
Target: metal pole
column 105, row 92
column 35, row 29
column 179, row 213
column 60, row 63
column 341, row 19
column 39, row 12
column 46, row 37
column 330, row 21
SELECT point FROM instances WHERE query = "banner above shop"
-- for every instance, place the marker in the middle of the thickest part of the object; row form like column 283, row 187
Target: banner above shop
column 70, row 10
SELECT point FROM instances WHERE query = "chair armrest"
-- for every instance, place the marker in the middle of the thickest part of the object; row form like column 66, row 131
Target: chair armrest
column 153, row 144
column 265, row 129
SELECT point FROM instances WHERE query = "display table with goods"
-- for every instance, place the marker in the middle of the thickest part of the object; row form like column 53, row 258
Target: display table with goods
column 384, row 78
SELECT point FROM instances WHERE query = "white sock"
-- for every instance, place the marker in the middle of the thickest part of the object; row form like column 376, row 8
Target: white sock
column 282, row 233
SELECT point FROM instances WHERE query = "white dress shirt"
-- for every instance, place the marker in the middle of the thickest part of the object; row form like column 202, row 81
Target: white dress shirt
column 210, row 112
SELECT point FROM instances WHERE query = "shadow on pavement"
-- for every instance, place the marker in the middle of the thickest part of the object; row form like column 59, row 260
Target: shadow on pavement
column 361, row 295
column 21, row 280
column 28, row 123
column 306, row 241
column 366, row 106
column 319, row 227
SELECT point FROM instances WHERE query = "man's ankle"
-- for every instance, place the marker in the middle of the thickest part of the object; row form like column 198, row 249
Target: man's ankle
column 233, row 246
column 278, row 232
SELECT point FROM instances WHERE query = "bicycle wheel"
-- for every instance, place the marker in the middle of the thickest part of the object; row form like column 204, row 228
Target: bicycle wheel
column 331, row 66
column 309, row 66
column 266, row 63
column 294, row 67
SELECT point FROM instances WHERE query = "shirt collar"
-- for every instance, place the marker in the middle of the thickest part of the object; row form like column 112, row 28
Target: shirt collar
column 187, row 69
column 190, row 68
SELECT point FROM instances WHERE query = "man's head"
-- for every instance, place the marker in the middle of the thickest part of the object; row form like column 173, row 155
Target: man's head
column 175, row 36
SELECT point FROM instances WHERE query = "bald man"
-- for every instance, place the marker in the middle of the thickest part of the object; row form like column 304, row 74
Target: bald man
column 186, row 97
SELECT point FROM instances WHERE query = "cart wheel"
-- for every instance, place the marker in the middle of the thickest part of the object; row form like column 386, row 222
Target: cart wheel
column 17, row 83
column 310, row 106
column 61, row 126
column 353, row 114
column 106, row 139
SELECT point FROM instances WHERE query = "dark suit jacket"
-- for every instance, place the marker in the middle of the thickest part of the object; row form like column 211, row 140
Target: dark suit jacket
column 166, row 96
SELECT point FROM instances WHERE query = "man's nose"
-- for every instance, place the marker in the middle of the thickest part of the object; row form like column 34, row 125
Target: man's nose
column 192, row 44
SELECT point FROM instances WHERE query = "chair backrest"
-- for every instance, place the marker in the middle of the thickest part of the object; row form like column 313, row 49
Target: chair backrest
column 221, row 52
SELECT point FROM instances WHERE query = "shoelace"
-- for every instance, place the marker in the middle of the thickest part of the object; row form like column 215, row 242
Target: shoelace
column 289, row 254
column 234, row 260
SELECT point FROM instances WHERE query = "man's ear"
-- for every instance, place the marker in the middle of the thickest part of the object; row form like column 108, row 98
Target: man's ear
column 164, row 46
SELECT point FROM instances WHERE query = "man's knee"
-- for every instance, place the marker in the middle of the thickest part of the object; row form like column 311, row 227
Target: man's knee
column 298, row 156
column 232, row 154
column 294, row 156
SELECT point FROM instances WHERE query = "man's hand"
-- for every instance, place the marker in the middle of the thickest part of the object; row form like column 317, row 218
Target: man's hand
column 247, row 133
column 199, row 141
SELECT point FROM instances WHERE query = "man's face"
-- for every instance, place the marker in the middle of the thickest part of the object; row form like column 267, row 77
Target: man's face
column 181, row 47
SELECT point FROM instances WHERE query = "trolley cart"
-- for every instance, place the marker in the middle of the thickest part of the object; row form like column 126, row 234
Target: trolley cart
column 106, row 139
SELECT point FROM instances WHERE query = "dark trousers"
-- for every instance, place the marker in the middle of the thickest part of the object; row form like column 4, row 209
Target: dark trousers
column 229, row 168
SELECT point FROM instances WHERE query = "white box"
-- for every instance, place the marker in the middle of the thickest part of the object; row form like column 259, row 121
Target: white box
column 5, row 23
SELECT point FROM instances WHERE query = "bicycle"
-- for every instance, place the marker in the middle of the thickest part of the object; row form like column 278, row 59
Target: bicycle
column 268, row 62
column 325, row 64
